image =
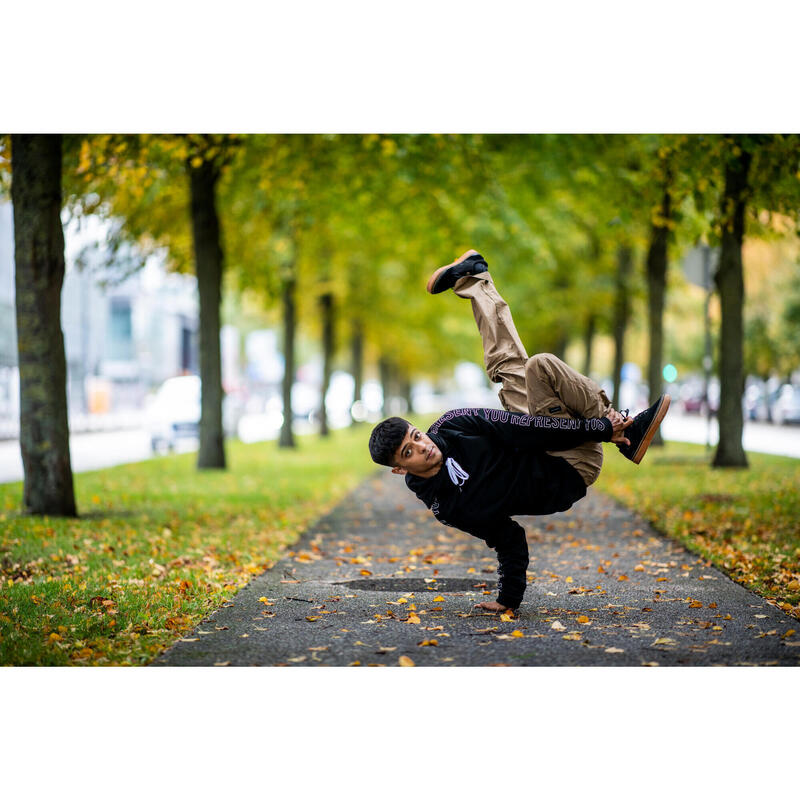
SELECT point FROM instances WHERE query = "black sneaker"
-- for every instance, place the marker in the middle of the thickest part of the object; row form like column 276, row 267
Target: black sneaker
column 470, row 263
column 643, row 429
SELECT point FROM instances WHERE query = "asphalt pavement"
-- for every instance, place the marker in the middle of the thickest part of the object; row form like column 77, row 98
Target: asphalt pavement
column 378, row 582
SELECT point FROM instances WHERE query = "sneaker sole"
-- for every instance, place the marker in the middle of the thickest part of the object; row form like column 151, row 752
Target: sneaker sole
column 651, row 430
column 433, row 278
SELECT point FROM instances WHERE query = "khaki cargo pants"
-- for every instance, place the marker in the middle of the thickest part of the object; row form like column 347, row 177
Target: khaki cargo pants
column 542, row 385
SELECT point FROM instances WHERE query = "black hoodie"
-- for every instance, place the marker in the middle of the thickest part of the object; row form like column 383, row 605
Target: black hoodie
column 494, row 465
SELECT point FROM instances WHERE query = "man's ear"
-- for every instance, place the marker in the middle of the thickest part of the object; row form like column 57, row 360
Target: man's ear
column 399, row 470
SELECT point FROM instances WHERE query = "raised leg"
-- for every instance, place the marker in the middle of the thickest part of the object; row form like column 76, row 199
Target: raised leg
column 503, row 354
column 554, row 389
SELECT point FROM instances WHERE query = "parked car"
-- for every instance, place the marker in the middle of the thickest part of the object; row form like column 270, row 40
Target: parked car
column 173, row 416
column 786, row 408
column 692, row 396
column 756, row 402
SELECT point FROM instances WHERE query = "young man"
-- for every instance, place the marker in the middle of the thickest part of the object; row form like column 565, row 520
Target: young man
column 477, row 467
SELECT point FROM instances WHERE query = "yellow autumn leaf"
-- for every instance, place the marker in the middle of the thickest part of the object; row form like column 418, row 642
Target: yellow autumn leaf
column 365, row 572
column 438, row 599
column 265, row 601
column 507, row 617
column 413, row 619
column 583, row 619
column 428, row 643
column 695, row 604
column 622, row 578
column 471, row 569
column 517, row 634
column 613, row 650
column 312, row 619
column 405, row 661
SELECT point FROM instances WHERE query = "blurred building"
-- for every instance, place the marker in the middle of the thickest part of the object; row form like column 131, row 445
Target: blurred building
column 125, row 331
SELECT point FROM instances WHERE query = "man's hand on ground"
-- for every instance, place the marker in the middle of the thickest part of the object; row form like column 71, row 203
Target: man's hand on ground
column 491, row 605
column 619, row 423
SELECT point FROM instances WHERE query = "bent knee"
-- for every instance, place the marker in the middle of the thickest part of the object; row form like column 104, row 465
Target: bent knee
column 540, row 362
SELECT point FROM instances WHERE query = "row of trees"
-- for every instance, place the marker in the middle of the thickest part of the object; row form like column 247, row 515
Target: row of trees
column 341, row 231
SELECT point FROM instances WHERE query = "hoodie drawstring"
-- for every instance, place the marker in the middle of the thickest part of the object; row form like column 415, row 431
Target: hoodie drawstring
column 456, row 473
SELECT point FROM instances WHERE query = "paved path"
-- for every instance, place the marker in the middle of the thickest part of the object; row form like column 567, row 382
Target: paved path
column 378, row 581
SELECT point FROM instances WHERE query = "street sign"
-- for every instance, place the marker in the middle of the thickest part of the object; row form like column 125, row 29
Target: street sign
column 700, row 265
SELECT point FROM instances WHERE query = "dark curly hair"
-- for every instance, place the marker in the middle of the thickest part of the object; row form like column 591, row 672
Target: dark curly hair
column 385, row 438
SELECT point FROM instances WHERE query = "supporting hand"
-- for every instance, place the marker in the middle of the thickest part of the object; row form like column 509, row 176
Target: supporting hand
column 491, row 605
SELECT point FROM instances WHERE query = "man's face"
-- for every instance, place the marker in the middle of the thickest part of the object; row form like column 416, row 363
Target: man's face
column 417, row 455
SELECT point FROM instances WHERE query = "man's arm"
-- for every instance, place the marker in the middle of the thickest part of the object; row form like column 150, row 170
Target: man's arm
column 507, row 538
column 525, row 431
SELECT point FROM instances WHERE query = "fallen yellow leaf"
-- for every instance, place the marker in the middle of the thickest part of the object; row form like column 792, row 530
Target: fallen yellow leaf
column 695, row 604
column 622, row 578
column 428, row 643
column 413, row 619
column 583, row 619
column 365, row 572
column 507, row 616
column 517, row 634
column 613, row 650
column 438, row 599
column 405, row 661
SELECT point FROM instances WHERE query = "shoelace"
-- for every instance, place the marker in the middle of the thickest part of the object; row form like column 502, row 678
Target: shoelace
column 625, row 415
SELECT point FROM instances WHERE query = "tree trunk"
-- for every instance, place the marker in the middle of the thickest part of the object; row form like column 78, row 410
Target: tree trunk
column 289, row 315
column 327, row 309
column 407, row 395
column 39, row 275
column 656, row 289
column 560, row 345
column 385, row 372
column 208, row 262
column 357, row 346
column 621, row 315
column 730, row 284
column 588, row 342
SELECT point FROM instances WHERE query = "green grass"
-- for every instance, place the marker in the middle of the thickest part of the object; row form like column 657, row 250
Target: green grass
column 744, row 521
column 158, row 546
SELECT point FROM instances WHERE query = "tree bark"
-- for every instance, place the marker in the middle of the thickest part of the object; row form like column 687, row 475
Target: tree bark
column 289, row 325
column 730, row 284
column 208, row 262
column 621, row 315
column 385, row 372
column 327, row 308
column 588, row 342
column 357, row 354
column 656, row 290
column 39, row 275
